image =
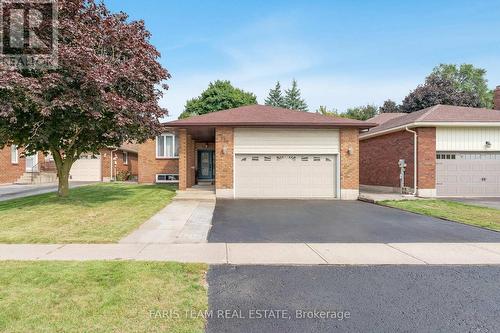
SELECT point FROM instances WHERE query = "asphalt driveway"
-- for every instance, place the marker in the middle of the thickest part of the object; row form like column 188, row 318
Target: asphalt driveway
column 377, row 299
column 323, row 221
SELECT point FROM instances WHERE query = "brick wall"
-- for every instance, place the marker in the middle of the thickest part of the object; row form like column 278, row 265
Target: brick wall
column 224, row 147
column 148, row 165
column 349, row 163
column 9, row 172
column 191, row 169
column 131, row 166
column 379, row 158
column 426, row 156
column 496, row 98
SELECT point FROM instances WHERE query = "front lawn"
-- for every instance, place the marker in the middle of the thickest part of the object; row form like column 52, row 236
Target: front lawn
column 488, row 218
column 102, row 213
column 101, row 297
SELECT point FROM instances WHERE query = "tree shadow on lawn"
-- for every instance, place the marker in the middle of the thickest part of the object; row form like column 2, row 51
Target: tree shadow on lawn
column 90, row 196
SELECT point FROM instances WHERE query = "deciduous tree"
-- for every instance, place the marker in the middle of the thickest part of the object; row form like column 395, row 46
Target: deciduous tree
column 220, row 95
column 104, row 92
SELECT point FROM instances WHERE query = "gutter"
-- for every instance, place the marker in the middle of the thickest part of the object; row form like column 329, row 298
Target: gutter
column 415, row 161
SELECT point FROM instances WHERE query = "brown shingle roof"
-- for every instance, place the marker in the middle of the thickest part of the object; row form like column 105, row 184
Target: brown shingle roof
column 263, row 115
column 439, row 114
column 384, row 117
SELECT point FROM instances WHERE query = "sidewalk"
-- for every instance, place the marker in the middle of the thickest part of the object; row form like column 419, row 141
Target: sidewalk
column 267, row 254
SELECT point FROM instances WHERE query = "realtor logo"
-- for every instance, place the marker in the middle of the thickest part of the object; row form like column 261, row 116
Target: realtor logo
column 28, row 33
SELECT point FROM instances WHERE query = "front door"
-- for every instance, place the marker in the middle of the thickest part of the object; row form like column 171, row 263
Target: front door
column 32, row 163
column 205, row 164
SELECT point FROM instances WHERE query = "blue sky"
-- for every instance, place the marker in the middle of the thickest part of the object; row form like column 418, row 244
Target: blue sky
column 342, row 53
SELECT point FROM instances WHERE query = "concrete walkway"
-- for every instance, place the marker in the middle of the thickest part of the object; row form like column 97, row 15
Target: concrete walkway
column 267, row 254
column 183, row 221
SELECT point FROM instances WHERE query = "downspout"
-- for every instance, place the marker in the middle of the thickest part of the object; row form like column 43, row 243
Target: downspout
column 415, row 162
column 111, row 165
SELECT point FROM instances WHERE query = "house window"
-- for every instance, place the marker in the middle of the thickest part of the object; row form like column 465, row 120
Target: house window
column 125, row 157
column 14, row 154
column 167, row 178
column 167, row 146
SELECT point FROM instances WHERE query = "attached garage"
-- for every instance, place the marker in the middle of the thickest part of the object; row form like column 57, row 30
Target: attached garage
column 468, row 174
column 87, row 168
column 286, row 163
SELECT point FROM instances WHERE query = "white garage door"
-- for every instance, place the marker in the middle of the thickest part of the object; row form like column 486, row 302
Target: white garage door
column 468, row 174
column 87, row 168
column 285, row 176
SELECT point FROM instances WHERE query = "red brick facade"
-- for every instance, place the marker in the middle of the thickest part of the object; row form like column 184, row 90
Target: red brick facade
column 380, row 156
column 149, row 165
column 349, row 159
column 496, row 98
column 426, row 157
column 120, row 166
column 224, row 148
column 10, row 172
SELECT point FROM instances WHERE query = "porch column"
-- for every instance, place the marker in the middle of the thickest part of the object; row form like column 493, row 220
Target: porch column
column 191, row 169
column 183, row 157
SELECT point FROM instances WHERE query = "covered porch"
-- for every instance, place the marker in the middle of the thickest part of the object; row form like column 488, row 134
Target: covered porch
column 205, row 156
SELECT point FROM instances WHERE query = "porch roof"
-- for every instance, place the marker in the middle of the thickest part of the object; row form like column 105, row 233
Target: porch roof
column 267, row 116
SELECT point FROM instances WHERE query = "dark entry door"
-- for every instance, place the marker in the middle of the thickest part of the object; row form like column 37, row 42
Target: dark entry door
column 205, row 164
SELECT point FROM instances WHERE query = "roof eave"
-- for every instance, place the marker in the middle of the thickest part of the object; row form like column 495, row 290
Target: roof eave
column 432, row 124
column 297, row 125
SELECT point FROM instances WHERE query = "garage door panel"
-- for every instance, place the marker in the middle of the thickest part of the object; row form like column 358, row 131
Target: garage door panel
column 468, row 174
column 87, row 168
column 285, row 176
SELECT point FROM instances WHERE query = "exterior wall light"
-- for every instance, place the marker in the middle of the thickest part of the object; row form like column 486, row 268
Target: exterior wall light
column 487, row 144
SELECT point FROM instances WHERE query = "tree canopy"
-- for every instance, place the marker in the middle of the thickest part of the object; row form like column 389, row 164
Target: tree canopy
column 293, row 100
column 220, row 95
column 275, row 97
column 468, row 79
column 361, row 112
column 104, row 91
column 389, row 106
column 463, row 85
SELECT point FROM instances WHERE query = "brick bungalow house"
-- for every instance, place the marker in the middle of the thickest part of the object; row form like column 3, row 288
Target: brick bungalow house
column 258, row 151
column 457, row 151
column 38, row 168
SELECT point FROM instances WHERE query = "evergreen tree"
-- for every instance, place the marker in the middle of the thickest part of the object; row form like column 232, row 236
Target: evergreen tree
column 275, row 97
column 293, row 100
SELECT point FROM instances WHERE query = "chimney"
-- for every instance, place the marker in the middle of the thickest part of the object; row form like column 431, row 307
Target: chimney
column 496, row 98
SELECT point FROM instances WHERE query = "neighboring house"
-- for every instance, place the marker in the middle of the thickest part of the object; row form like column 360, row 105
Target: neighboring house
column 457, row 152
column 258, row 152
column 38, row 168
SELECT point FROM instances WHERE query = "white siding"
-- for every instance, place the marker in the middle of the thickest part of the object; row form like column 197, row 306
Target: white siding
column 286, row 141
column 467, row 138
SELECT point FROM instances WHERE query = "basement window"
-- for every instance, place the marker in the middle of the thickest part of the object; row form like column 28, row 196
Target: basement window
column 167, row 178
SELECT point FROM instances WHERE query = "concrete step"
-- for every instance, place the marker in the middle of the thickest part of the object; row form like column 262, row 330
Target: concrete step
column 185, row 195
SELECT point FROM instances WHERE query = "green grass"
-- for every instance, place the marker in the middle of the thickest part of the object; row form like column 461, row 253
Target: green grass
column 102, row 213
column 484, row 217
column 102, row 296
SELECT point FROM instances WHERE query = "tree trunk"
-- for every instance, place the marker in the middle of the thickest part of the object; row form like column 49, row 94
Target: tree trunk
column 63, row 176
column 63, row 168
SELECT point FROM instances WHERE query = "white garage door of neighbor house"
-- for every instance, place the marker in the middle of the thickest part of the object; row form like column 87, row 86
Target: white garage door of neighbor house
column 285, row 176
column 87, row 168
column 468, row 174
